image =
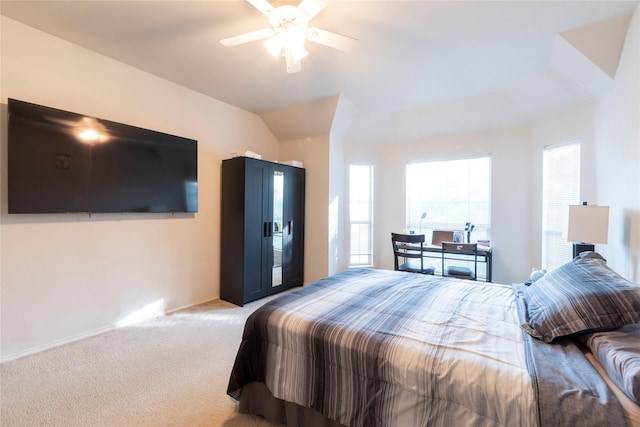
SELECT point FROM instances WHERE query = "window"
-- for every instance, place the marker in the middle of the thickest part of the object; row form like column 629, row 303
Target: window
column 560, row 188
column 361, row 215
column 451, row 193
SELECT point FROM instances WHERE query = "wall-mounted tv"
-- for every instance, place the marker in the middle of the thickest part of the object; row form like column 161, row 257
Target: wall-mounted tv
column 63, row 162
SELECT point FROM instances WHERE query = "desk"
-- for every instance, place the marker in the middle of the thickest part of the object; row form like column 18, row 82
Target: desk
column 484, row 255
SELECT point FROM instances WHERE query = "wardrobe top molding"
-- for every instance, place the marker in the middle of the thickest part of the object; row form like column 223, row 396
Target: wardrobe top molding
column 294, row 163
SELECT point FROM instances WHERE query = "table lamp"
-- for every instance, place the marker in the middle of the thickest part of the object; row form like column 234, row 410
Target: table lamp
column 588, row 224
column 423, row 216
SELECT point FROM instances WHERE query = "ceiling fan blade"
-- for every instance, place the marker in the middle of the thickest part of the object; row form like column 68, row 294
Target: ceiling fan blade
column 330, row 39
column 263, row 6
column 312, row 7
column 294, row 67
column 247, row 37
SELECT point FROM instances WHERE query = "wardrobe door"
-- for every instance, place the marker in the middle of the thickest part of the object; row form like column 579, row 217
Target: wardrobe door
column 293, row 253
column 277, row 194
column 257, row 235
column 245, row 237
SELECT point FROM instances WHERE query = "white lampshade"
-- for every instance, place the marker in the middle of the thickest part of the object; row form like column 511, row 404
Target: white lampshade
column 275, row 44
column 588, row 224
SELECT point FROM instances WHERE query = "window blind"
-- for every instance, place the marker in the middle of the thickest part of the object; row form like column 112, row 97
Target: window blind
column 560, row 188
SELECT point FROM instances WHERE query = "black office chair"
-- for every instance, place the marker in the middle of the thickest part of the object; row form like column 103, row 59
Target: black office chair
column 459, row 271
column 408, row 253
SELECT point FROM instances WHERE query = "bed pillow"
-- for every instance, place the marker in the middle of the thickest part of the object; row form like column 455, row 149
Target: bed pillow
column 618, row 352
column 583, row 295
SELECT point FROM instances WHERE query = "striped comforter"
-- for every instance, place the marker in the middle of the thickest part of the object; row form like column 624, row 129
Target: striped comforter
column 381, row 348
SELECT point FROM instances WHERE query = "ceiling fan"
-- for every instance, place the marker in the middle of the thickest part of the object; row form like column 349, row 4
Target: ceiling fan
column 290, row 29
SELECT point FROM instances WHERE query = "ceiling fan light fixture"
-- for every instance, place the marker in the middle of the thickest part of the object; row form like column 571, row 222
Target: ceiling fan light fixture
column 288, row 41
column 275, row 44
column 298, row 52
column 293, row 67
column 292, row 58
column 294, row 34
column 289, row 20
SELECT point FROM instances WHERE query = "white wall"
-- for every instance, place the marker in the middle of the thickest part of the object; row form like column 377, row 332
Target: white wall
column 609, row 130
column 510, row 215
column 338, row 183
column 574, row 124
column 69, row 276
column 313, row 152
column 516, row 176
column 618, row 158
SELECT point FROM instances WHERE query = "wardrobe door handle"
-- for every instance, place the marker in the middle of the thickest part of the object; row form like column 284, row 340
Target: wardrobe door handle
column 290, row 226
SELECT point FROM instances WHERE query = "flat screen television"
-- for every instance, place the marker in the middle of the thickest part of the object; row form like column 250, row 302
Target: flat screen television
column 63, row 162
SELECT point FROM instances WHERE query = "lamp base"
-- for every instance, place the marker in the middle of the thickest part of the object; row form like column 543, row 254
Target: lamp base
column 578, row 248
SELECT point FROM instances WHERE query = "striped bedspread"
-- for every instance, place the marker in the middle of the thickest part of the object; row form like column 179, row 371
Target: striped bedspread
column 381, row 348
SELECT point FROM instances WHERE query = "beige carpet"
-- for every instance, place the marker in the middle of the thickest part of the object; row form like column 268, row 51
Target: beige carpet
column 169, row 371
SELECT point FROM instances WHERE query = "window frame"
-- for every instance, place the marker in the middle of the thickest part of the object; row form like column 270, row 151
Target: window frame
column 369, row 222
column 481, row 231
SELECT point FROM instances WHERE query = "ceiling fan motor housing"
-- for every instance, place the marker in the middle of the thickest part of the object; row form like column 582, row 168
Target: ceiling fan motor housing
column 290, row 28
column 286, row 16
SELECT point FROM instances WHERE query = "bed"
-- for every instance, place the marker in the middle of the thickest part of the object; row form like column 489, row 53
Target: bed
column 371, row 347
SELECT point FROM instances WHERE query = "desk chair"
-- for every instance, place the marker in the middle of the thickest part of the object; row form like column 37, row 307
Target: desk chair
column 458, row 271
column 408, row 248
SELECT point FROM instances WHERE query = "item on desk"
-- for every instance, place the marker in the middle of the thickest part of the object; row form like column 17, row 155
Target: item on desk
column 484, row 244
column 246, row 153
column 439, row 236
column 423, row 216
column 469, row 228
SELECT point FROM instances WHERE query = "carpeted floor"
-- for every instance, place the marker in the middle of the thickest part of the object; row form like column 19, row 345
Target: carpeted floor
column 169, row 371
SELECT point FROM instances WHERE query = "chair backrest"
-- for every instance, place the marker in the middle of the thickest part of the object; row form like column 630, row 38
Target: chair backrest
column 407, row 238
column 400, row 251
column 440, row 236
column 460, row 248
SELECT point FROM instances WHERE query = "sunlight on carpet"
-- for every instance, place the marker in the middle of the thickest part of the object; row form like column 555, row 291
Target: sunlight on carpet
column 169, row 370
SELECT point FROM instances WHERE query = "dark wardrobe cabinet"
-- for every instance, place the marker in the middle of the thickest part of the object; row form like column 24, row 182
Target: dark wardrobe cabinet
column 262, row 229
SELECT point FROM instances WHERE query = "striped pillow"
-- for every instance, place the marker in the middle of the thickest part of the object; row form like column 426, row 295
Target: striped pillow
column 619, row 355
column 584, row 295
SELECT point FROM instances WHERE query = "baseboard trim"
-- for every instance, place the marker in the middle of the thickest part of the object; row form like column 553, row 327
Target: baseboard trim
column 173, row 310
column 86, row 335
column 57, row 343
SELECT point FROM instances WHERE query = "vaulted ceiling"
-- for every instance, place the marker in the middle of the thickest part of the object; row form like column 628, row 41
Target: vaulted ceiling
column 420, row 67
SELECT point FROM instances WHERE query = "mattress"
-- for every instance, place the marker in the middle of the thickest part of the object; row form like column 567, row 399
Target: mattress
column 373, row 347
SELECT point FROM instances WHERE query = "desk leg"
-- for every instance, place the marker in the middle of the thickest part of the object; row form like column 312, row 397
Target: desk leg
column 489, row 261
